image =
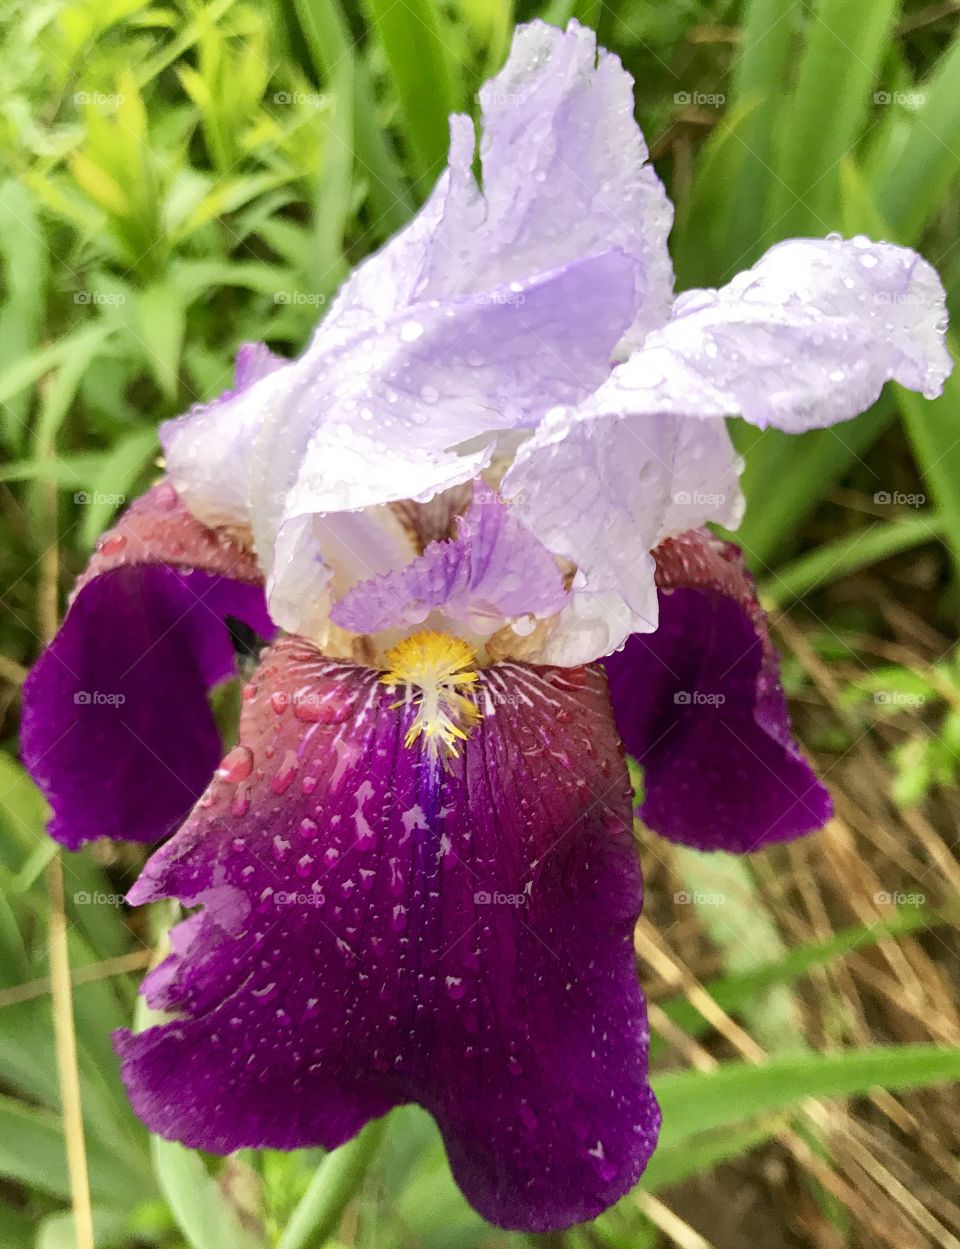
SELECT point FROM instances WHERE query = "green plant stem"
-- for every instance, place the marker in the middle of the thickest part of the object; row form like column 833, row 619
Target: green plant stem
column 337, row 1178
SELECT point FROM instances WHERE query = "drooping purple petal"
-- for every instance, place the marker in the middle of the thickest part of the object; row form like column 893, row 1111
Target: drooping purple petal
column 700, row 706
column 116, row 728
column 377, row 930
column 493, row 570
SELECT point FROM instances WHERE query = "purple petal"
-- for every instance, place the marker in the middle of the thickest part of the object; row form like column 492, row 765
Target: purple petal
column 700, row 706
column 493, row 570
column 116, row 727
column 377, row 930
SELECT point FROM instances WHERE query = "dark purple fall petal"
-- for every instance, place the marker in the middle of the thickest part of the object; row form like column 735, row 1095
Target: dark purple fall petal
column 376, row 930
column 700, row 706
column 116, row 729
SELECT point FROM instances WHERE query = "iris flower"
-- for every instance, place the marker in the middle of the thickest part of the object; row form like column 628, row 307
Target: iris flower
column 469, row 523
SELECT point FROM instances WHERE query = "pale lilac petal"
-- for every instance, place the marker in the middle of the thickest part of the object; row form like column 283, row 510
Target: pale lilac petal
column 379, row 930
column 492, row 572
column 415, row 409
column 208, row 451
column 603, row 492
column 804, row 339
column 565, row 174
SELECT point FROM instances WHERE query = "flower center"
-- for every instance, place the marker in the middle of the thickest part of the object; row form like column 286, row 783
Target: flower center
column 439, row 667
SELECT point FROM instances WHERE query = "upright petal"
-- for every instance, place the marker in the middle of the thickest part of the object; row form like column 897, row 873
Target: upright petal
column 116, row 727
column 700, row 706
column 377, row 930
column 565, row 174
column 414, row 409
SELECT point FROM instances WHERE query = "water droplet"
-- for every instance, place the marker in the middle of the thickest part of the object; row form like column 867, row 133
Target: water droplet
column 237, row 765
column 285, row 773
column 112, row 546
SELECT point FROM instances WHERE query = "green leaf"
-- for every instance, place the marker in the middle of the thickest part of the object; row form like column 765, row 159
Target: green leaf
column 845, row 46
column 694, row 1102
column 161, row 316
column 830, row 561
column 26, row 267
column 196, row 1201
column 932, row 430
column 912, row 183
column 328, row 37
column 733, row 991
column 423, row 75
column 757, row 83
column 109, row 488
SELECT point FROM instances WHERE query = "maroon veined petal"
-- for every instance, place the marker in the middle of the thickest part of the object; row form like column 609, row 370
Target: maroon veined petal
column 377, row 930
column 700, row 705
column 116, row 729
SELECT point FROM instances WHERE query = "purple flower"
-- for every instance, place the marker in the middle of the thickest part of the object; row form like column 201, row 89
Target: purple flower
column 476, row 504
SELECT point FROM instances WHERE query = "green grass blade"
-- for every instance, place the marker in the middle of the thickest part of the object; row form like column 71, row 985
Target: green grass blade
column 934, row 433
column 911, row 187
column 845, row 46
column 25, row 265
column 196, row 1200
column 757, row 80
column 832, row 560
column 731, row 992
column 694, row 1102
column 803, row 468
column 423, row 73
column 328, row 38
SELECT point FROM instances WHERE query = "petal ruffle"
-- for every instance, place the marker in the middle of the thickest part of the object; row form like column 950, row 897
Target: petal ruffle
column 565, row 174
column 116, row 730
column 376, row 930
column 804, row 339
column 495, row 570
column 700, row 706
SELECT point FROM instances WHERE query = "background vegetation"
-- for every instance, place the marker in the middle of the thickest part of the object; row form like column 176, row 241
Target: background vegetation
column 180, row 176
